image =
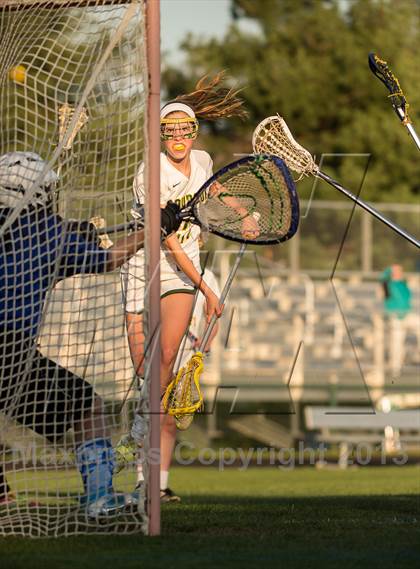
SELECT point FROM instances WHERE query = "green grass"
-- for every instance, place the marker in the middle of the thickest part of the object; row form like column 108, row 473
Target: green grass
column 366, row 517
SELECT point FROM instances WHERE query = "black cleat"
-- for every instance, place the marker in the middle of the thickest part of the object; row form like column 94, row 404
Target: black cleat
column 168, row 496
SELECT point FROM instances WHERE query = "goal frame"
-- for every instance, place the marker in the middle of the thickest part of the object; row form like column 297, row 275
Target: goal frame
column 152, row 245
column 152, row 228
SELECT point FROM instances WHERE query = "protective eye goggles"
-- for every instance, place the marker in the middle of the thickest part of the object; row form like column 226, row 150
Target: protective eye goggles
column 186, row 127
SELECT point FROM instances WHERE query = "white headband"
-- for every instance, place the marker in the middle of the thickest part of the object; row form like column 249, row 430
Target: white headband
column 173, row 107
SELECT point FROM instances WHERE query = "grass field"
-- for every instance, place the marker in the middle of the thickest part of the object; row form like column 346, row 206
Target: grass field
column 366, row 517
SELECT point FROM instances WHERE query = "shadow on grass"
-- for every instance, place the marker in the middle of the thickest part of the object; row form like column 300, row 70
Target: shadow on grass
column 261, row 516
column 204, row 531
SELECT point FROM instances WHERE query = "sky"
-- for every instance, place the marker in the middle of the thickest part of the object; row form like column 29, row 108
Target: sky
column 206, row 18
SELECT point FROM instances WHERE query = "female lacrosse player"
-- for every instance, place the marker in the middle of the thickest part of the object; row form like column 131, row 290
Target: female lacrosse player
column 183, row 171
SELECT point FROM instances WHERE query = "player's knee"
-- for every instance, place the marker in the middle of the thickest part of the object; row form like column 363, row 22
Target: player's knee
column 168, row 355
column 168, row 425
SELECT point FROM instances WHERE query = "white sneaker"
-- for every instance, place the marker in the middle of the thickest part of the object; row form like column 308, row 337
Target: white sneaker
column 111, row 505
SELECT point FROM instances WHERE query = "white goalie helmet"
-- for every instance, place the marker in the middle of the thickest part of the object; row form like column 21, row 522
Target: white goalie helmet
column 18, row 172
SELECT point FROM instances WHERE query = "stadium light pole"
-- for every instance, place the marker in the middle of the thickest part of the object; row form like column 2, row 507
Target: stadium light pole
column 152, row 242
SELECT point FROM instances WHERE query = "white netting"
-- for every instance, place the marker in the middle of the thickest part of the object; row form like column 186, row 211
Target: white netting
column 73, row 90
column 272, row 136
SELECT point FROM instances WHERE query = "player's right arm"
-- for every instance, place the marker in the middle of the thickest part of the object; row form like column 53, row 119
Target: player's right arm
column 124, row 248
column 187, row 267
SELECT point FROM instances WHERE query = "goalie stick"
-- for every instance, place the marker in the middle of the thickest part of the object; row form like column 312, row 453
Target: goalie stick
column 255, row 185
column 257, row 189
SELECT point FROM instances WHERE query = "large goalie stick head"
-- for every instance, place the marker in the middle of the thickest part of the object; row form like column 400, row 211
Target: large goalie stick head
column 380, row 68
column 252, row 200
column 272, row 136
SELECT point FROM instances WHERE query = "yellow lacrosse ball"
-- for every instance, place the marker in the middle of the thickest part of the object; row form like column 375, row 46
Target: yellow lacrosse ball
column 17, row 74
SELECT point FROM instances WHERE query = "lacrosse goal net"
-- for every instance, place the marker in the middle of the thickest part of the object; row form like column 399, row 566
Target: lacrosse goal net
column 74, row 90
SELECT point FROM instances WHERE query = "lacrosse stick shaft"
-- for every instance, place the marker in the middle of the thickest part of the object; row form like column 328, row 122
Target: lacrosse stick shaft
column 407, row 123
column 413, row 133
column 223, row 296
column 369, row 209
column 133, row 224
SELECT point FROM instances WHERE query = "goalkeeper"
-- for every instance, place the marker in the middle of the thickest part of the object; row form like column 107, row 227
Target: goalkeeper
column 37, row 250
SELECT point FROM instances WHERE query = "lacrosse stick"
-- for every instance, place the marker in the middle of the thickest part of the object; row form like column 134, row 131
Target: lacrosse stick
column 189, row 392
column 273, row 136
column 65, row 116
column 68, row 127
column 183, row 397
column 380, row 68
column 66, row 135
column 230, row 202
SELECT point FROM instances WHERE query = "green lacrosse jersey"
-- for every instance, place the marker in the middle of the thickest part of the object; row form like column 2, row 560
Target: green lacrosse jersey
column 397, row 295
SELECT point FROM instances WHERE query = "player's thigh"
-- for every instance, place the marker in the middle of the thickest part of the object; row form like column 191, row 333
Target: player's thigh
column 51, row 399
column 176, row 311
column 135, row 334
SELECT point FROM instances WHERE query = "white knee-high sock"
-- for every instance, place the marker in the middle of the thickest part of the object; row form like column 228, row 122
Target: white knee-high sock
column 164, row 476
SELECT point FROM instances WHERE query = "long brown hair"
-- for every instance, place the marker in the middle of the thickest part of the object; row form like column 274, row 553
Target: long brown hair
column 211, row 100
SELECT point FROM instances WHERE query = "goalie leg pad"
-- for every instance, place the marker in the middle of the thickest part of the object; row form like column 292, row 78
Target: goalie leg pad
column 95, row 460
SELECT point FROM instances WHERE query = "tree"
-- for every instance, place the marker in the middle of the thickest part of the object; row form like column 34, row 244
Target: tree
column 309, row 63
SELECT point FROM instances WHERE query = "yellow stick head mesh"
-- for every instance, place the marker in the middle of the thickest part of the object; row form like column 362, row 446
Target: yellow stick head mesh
column 183, row 395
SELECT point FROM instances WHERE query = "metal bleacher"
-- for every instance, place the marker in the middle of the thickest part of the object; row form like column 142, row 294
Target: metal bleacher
column 310, row 340
column 287, row 336
column 286, row 342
